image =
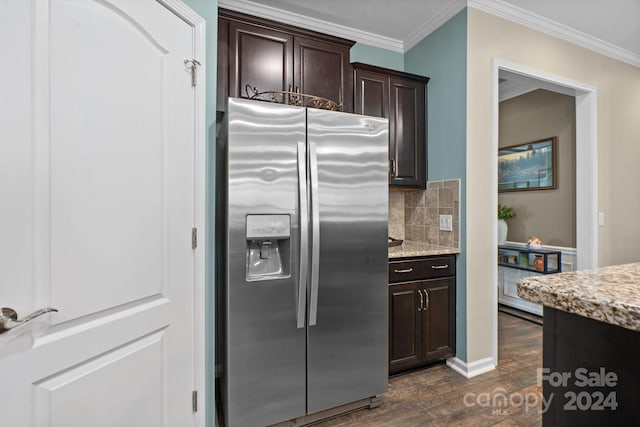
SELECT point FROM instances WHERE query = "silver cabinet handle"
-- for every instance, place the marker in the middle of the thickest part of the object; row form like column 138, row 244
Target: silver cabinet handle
column 304, row 235
column 421, row 301
column 393, row 168
column 440, row 267
column 426, row 297
column 9, row 317
column 406, row 270
column 315, row 234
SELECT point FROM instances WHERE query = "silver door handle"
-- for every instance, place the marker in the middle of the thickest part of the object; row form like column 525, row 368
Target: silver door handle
column 440, row 267
column 421, row 301
column 426, row 298
column 315, row 234
column 393, row 167
column 9, row 317
column 406, row 270
column 304, row 235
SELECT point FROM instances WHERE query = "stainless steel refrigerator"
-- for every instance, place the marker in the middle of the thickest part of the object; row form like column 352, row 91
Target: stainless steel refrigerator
column 306, row 261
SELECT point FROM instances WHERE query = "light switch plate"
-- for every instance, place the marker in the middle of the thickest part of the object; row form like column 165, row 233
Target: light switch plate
column 446, row 222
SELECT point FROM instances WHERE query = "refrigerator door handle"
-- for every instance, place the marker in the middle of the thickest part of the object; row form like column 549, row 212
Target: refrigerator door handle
column 315, row 234
column 304, row 235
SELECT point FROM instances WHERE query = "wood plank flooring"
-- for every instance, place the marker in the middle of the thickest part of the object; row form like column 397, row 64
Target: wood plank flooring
column 438, row 396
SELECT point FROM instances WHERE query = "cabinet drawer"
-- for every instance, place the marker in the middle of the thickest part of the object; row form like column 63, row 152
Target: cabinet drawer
column 419, row 269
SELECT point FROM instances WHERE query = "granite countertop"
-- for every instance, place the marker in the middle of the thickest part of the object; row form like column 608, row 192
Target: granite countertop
column 609, row 294
column 413, row 249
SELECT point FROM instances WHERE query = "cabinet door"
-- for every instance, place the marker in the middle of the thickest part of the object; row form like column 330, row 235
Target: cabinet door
column 323, row 69
column 372, row 94
column 260, row 58
column 439, row 319
column 405, row 326
column 407, row 133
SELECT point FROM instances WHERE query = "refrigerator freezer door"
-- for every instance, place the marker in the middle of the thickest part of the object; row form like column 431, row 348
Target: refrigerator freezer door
column 347, row 347
column 265, row 356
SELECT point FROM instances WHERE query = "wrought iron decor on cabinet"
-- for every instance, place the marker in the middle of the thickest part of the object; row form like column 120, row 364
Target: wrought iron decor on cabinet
column 292, row 98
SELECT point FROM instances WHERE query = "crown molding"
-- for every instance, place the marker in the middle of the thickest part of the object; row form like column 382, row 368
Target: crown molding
column 553, row 28
column 314, row 24
column 449, row 11
column 498, row 8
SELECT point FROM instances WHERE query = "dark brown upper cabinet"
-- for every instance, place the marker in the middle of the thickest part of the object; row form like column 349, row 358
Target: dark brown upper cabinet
column 400, row 97
column 270, row 56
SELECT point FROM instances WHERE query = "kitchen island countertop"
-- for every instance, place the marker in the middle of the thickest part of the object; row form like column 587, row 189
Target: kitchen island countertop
column 608, row 294
column 591, row 329
column 417, row 249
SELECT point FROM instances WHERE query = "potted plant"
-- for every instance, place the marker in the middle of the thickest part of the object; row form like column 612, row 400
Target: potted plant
column 504, row 213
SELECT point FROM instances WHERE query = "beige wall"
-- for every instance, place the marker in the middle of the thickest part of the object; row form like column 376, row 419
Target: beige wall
column 548, row 214
column 618, row 139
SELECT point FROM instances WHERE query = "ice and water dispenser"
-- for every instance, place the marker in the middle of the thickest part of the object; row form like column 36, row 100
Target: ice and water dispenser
column 268, row 240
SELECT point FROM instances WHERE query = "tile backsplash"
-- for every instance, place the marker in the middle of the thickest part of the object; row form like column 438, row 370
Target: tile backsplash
column 396, row 214
column 414, row 215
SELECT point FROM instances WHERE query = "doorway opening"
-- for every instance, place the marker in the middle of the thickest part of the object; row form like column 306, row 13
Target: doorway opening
column 527, row 79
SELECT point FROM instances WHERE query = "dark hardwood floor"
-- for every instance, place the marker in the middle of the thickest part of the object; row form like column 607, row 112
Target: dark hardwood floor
column 438, row 396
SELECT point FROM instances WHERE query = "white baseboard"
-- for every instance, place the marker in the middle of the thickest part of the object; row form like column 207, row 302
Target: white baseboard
column 470, row 370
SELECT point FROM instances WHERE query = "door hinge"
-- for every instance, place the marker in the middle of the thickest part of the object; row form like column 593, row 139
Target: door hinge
column 194, row 238
column 192, row 65
column 194, row 400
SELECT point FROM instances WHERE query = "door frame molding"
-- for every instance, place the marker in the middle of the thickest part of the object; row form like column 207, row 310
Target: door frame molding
column 198, row 24
column 586, row 167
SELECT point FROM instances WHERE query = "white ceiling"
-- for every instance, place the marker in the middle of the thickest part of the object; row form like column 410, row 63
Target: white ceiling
column 611, row 27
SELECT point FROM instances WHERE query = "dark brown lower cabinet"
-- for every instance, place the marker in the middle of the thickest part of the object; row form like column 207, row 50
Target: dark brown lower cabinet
column 421, row 312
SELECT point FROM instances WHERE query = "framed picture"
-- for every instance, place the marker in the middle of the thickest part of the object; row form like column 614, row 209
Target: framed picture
column 530, row 166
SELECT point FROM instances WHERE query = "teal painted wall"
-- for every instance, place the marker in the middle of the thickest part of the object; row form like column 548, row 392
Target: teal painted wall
column 377, row 56
column 442, row 56
column 208, row 9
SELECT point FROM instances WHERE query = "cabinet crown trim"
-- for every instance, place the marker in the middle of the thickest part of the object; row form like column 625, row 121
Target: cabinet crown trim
column 233, row 15
column 389, row 72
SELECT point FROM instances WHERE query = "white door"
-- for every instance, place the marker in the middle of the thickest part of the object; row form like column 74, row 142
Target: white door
column 97, row 202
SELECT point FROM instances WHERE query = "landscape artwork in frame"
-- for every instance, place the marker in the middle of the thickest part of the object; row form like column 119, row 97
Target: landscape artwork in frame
column 529, row 166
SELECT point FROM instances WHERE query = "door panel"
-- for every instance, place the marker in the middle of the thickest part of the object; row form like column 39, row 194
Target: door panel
column 118, row 203
column 265, row 350
column 347, row 348
column 407, row 99
column 86, row 383
column 102, row 164
column 405, row 348
column 260, row 58
column 323, row 69
column 438, row 319
column 372, row 94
